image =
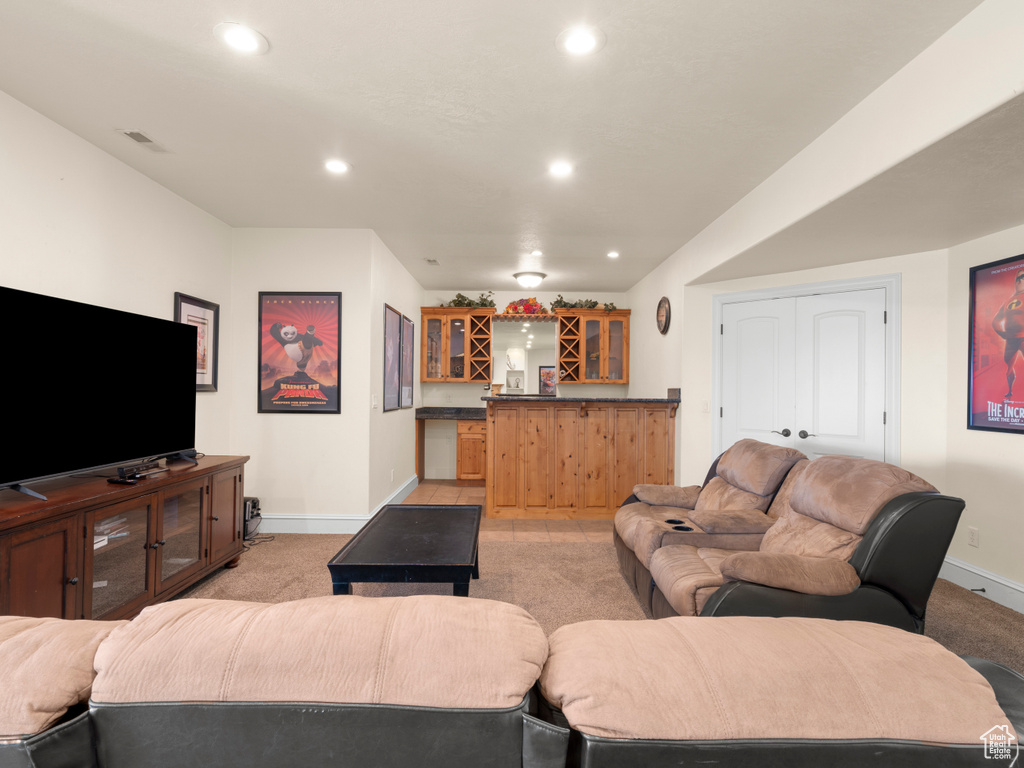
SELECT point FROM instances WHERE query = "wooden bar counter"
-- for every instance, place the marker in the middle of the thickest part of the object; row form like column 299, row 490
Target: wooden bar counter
column 564, row 457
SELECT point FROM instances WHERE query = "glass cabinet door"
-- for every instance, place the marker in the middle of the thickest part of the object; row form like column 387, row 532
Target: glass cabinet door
column 118, row 559
column 616, row 350
column 457, row 343
column 179, row 533
column 592, row 350
column 433, row 348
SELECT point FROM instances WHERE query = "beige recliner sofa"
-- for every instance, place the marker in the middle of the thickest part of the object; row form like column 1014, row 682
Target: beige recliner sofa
column 732, row 509
column 852, row 539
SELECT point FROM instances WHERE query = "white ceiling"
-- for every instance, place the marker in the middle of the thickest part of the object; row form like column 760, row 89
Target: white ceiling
column 449, row 112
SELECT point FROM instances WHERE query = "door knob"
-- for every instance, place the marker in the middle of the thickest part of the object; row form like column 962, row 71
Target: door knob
column 805, row 434
column 784, row 433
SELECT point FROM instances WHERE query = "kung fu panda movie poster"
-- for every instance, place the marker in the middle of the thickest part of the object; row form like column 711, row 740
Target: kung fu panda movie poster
column 300, row 336
column 996, row 384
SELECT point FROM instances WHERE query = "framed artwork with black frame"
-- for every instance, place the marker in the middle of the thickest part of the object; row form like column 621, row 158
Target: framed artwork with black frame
column 995, row 397
column 299, row 352
column 205, row 316
column 408, row 354
column 547, row 380
column 392, row 359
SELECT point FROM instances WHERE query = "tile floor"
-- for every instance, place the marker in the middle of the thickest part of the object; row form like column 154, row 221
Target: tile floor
column 446, row 492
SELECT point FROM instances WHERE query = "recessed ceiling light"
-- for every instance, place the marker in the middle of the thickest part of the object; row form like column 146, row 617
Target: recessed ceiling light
column 560, row 169
column 580, row 40
column 530, row 336
column 336, row 166
column 613, row 254
column 536, row 253
column 241, row 38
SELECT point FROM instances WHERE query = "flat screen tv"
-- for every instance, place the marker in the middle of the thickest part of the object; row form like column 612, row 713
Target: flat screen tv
column 91, row 388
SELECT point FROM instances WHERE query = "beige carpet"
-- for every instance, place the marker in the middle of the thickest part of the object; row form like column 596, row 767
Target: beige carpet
column 558, row 583
column 563, row 583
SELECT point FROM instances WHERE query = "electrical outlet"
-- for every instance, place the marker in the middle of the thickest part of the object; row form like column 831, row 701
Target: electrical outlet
column 972, row 536
column 373, row 401
column 705, row 406
column 392, row 475
column 447, row 398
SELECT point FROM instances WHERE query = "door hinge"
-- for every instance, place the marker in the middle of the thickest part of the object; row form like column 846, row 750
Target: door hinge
column 721, row 329
column 885, row 316
column 883, row 417
column 721, row 412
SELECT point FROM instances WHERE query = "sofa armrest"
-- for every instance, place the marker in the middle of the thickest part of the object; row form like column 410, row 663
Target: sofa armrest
column 668, row 495
column 798, row 573
column 732, row 520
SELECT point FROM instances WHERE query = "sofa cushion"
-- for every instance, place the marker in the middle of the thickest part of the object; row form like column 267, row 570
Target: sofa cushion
column 764, row 678
column 428, row 650
column 687, row 576
column 632, row 517
column 47, row 667
column 757, row 467
column 795, row 534
column 720, row 494
column 849, row 493
column 809, row 575
column 667, row 495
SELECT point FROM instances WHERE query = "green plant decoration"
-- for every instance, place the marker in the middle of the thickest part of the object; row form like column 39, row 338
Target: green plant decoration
column 461, row 300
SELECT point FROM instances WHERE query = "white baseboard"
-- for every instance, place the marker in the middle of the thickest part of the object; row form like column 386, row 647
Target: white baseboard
column 331, row 523
column 997, row 588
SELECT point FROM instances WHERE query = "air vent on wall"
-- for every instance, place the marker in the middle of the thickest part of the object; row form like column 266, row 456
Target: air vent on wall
column 143, row 141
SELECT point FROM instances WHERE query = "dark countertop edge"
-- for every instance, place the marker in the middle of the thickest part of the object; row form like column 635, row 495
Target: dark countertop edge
column 453, row 413
column 561, row 399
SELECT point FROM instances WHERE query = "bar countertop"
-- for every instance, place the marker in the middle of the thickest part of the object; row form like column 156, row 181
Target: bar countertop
column 560, row 399
column 452, row 413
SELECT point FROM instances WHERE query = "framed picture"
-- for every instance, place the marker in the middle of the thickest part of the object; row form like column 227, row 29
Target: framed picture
column 408, row 350
column 299, row 352
column 392, row 359
column 548, row 379
column 205, row 316
column 995, row 395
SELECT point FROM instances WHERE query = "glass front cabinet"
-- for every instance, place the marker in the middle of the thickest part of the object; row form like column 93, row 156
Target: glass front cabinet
column 140, row 549
column 593, row 346
column 455, row 344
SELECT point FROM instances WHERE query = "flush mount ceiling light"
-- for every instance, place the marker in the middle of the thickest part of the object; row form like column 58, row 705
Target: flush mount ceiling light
column 560, row 169
column 336, row 166
column 241, row 38
column 529, row 279
column 580, row 40
column 613, row 254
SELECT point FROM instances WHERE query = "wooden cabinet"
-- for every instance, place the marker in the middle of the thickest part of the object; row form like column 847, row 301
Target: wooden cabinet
column 593, row 346
column 99, row 551
column 455, row 344
column 225, row 514
column 471, row 453
column 572, row 458
column 39, row 570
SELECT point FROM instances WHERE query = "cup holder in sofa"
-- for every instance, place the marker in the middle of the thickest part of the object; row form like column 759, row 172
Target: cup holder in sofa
column 674, row 522
column 681, row 528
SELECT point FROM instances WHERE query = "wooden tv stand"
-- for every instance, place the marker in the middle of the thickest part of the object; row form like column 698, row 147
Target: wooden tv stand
column 94, row 550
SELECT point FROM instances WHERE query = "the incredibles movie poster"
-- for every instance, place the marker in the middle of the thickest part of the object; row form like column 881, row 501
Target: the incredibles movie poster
column 300, row 352
column 996, row 385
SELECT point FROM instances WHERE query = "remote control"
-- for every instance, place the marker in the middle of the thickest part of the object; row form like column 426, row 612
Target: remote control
column 122, row 480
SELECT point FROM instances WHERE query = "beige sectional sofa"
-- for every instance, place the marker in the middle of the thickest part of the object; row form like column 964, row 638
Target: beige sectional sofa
column 449, row 681
column 842, row 538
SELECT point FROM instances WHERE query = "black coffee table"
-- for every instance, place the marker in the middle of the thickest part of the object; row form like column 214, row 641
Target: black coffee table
column 422, row 543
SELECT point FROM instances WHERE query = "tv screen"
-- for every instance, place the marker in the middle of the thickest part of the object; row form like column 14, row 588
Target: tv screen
column 92, row 387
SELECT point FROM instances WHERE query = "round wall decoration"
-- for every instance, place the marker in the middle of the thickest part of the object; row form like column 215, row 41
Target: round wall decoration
column 664, row 314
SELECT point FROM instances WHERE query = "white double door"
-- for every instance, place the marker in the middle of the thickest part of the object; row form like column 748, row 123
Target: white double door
column 807, row 372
